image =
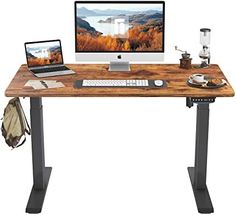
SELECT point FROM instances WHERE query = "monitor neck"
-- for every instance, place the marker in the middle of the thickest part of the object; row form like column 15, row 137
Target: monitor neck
column 121, row 66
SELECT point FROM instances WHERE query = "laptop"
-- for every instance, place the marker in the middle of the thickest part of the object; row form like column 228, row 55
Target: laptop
column 44, row 58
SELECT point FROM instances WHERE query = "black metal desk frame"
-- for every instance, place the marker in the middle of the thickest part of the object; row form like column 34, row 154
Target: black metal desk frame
column 41, row 174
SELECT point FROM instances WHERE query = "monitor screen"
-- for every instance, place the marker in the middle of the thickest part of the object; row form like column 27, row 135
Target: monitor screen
column 43, row 53
column 124, row 26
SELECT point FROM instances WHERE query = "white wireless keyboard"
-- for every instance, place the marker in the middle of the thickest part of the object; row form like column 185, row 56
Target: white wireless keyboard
column 118, row 83
column 115, row 83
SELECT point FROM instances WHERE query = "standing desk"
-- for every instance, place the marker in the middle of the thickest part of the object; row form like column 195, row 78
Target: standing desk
column 176, row 87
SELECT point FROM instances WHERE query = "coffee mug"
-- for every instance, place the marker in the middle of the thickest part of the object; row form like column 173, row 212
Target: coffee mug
column 198, row 78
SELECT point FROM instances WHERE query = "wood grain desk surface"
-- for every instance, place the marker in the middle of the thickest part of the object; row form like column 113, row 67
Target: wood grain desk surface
column 175, row 77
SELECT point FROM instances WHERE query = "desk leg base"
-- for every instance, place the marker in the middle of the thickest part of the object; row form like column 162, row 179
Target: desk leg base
column 202, row 197
column 35, row 202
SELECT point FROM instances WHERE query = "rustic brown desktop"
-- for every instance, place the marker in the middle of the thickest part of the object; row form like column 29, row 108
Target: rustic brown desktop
column 177, row 86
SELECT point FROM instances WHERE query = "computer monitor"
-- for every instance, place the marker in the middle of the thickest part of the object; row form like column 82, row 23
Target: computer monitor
column 119, row 32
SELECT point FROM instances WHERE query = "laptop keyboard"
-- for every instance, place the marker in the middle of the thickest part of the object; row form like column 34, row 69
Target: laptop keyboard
column 53, row 69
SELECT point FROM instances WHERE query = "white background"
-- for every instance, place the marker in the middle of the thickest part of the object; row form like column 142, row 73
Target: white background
column 118, row 156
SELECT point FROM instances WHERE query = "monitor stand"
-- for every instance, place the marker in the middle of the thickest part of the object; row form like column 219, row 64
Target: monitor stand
column 122, row 66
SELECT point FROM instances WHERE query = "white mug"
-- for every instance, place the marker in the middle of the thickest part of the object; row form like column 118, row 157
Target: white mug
column 198, row 77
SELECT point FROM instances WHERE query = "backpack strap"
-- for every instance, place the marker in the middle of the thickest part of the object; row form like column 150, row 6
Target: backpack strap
column 21, row 112
column 21, row 142
column 28, row 129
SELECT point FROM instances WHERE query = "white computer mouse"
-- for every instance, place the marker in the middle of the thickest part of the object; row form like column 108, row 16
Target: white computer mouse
column 158, row 83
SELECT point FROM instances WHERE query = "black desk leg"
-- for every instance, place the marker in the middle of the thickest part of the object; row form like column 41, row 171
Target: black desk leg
column 41, row 174
column 198, row 172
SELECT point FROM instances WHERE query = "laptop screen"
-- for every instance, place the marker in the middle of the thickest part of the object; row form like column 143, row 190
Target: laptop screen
column 43, row 53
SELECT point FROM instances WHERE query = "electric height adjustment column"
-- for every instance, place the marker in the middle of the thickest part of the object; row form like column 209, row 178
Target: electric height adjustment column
column 198, row 172
column 41, row 174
